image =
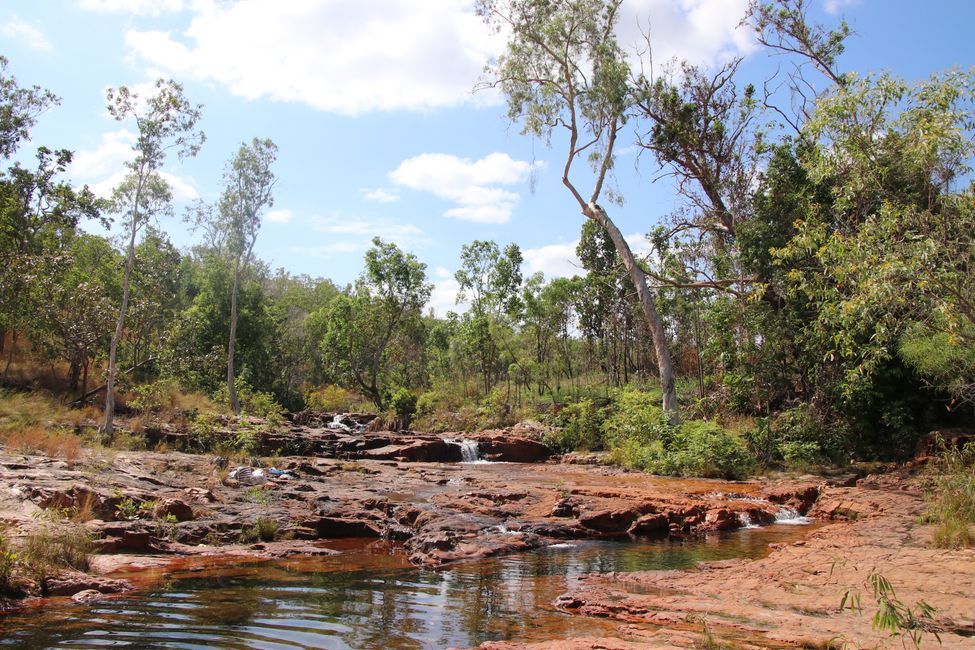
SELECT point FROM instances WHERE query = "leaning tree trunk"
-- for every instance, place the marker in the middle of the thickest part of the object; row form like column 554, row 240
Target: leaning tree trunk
column 647, row 305
column 232, row 344
column 109, row 425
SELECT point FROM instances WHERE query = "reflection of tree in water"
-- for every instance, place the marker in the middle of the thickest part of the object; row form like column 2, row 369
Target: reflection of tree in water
column 362, row 600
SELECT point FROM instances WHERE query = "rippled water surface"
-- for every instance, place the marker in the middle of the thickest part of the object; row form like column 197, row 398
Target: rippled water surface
column 367, row 597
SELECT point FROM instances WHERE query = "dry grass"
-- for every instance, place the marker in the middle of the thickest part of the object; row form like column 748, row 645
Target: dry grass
column 46, row 551
column 37, row 440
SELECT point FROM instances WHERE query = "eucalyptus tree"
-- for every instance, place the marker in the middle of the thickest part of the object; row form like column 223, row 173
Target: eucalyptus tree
column 380, row 317
column 234, row 223
column 563, row 71
column 164, row 122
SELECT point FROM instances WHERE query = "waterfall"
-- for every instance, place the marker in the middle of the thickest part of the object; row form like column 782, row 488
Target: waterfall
column 469, row 452
column 791, row 516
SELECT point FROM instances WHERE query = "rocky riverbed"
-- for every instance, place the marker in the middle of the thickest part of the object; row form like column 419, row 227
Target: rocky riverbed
column 153, row 510
column 150, row 507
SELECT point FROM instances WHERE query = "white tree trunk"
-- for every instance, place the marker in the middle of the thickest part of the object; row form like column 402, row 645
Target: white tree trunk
column 647, row 305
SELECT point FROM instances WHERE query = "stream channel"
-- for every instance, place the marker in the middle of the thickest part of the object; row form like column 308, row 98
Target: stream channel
column 369, row 596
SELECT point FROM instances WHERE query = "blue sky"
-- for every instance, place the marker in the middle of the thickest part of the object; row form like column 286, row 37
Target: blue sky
column 371, row 105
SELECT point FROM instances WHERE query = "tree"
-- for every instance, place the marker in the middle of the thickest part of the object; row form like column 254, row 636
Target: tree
column 165, row 121
column 234, row 224
column 19, row 109
column 383, row 311
column 563, row 70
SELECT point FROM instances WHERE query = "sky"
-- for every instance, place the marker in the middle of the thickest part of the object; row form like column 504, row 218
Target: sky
column 372, row 106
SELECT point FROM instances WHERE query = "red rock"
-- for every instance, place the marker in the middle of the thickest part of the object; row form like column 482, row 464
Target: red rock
column 173, row 508
column 69, row 583
column 609, row 521
column 652, row 524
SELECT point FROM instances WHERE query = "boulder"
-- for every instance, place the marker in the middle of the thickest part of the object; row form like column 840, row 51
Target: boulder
column 69, row 583
column 173, row 508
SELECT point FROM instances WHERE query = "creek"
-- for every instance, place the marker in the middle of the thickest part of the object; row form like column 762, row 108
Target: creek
column 369, row 596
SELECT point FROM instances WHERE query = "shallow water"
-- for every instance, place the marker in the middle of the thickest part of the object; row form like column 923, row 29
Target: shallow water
column 367, row 597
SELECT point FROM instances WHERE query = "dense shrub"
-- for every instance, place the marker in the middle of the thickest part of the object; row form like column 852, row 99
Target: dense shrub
column 951, row 497
column 579, row 427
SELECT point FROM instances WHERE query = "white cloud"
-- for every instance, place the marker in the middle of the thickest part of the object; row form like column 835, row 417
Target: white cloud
column 354, row 234
column 444, row 295
column 471, row 185
column 103, row 168
column 342, row 56
column 554, row 260
column 561, row 261
column 138, row 7
column 835, row 7
column 279, row 216
column 19, row 30
column 381, row 195
column 700, row 31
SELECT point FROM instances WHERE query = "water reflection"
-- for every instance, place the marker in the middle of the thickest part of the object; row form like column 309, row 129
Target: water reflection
column 368, row 597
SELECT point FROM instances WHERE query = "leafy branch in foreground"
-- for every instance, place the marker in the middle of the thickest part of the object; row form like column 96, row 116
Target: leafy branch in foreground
column 893, row 616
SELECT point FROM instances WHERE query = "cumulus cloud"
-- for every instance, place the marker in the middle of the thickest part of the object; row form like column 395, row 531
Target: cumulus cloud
column 381, row 195
column 342, row 56
column 354, row 234
column 103, row 167
column 561, row 261
column 472, row 185
column 137, row 7
column 279, row 216
column 834, row 7
column 18, row 30
column 700, row 31
column 443, row 298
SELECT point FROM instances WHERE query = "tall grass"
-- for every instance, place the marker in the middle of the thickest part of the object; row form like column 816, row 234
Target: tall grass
column 951, row 497
column 36, row 423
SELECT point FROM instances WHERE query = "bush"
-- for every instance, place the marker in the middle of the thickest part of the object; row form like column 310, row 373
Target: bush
column 634, row 415
column 951, row 497
column 255, row 403
column 403, row 403
column 330, row 398
column 581, row 427
column 166, row 396
column 798, row 438
column 7, row 560
column 640, row 437
column 264, row 530
column 45, row 551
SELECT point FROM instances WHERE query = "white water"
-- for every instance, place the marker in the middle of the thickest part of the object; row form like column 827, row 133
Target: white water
column 745, row 520
column 791, row 516
column 469, row 452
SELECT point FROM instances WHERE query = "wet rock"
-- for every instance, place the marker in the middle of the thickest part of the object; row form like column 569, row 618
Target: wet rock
column 799, row 497
column 502, row 446
column 610, row 521
column 652, row 524
column 339, row 527
column 69, row 583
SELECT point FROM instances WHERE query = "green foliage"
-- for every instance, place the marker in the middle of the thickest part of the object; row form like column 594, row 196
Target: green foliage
column 47, row 550
column 254, row 403
column 264, row 530
column 8, row 560
column 893, row 616
column 639, row 436
column 330, row 398
column 581, row 427
column 403, row 403
column 951, row 497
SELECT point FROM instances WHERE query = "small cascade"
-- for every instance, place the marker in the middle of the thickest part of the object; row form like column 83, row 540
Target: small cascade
column 469, row 452
column 745, row 520
column 337, row 423
column 790, row 516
